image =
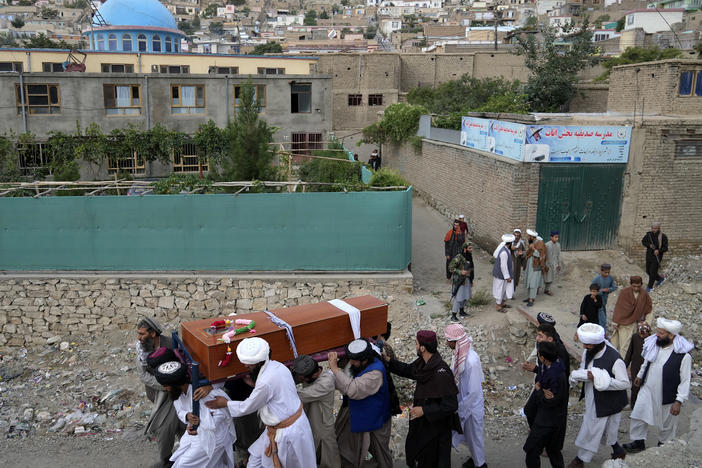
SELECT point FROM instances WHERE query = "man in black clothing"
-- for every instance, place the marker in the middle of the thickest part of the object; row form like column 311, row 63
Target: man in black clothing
column 549, row 425
column 433, row 413
column 656, row 244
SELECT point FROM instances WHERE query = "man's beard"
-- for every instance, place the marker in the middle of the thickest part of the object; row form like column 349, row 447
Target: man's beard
column 531, row 241
column 148, row 344
column 355, row 370
column 590, row 353
column 175, row 392
column 663, row 342
column 255, row 371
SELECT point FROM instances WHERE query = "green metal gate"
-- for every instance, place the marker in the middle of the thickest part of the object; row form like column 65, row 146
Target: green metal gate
column 581, row 201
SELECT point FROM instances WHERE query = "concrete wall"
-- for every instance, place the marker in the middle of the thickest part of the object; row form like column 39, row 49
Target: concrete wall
column 653, row 87
column 590, row 98
column 82, row 102
column 496, row 194
column 36, row 308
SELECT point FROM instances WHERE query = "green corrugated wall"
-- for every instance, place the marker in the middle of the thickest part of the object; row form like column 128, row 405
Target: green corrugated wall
column 355, row 231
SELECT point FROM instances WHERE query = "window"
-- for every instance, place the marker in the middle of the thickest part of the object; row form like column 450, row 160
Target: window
column 187, row 99
column 156, row 43
column 34, row 159
column 186, row 160
column 259, row 95
column 355, row 99
column 10, row 66
column 689, row 86
column 175, row 69
column 112, row 42
column 126, row 42
column 39, row 98
column 141, row 42
column 169, row 47
column 375, row 99
column 122, row 99
column 117, row 68
column 304, row 143
column 224, row 70
column 133, row 164
column 688, row 149
column 271, row 71
column 630, row 20
column 300, row 98
column 100, row 42
column 51, row 67
column 176, row 45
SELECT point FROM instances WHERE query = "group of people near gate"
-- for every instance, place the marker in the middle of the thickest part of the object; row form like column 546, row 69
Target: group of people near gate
column 283, row 417
column 659, row 385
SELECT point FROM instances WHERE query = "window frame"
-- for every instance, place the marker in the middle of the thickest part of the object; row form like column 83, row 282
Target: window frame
column 304, row 146
column 168, row 44
column 180, row 98
column 142, row 40
column 136, row 166
column 678, row 152
column 182, row 69
column 292, row 93
column 39, row 152
column 124, row 109
column 128, row 67
column 257, row 87
column 181, row 166
column 270, row 71
column 100, row 42
column 56, row 67
column 127, row 39
column 375, row 100
column 110, row 39
column 156, row 39
column 355, row 100
column 29, row 107
column 16, row 67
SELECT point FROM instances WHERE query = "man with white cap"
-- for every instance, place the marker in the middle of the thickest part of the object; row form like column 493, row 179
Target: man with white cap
column 465, row 364
column 502, row 273
column 463, row 224
column 605, row 382
column 287, row 440
column 518, row 248
column 664, row 379
column 536, row 259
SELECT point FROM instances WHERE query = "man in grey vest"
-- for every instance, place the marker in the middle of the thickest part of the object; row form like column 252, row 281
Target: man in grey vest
column 605, row 383
column 664, row 379
column 503, row 273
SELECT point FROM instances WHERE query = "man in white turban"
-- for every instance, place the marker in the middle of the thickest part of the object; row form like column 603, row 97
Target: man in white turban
column 664, row 381
column 468, row 373
column 605, row 382
column 287, row 440
column 503, row 273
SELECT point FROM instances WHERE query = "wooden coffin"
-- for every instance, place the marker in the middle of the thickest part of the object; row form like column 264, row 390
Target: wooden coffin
column 317, row 327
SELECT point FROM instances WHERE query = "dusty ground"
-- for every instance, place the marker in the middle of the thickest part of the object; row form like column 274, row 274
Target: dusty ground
column 84, row 406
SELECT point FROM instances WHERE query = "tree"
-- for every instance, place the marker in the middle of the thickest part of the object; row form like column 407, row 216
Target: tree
column 346, row 2
column 310, row 18
column 48, row 13
column 245, row 11
column 638, row 55
column 466, row 94
column 196, row 23
column 17, row 23
column 344, row 32
column 336, row 8
column 620, row 23
column 41, row 41
column 267, row 48
column 25, row 3
column 186, row 27
column 324, row 15
column 236, row 2
column 600, row 19
column 371, row 31
column 7, row 41
column 249, row 152
column 217, row 27
column 211, row 10
column 554, row 64
column 9, row 161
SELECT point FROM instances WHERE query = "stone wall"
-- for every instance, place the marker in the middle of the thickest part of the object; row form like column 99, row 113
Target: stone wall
column 34, row 309
column 589, row 98
column 496, row 194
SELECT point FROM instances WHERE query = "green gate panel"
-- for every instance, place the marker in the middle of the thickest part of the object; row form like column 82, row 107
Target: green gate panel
column 355, row 231
column 583, row 202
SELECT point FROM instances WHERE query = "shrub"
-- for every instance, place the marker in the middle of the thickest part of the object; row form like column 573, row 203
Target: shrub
column 385, row 177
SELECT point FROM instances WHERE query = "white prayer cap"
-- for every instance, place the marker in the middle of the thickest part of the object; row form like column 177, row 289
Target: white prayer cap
column 532, row 233
column 591, row 333
column 507, row 237
column 252, row 350
column 672, row 326
column 517, row 230
column 461, row 216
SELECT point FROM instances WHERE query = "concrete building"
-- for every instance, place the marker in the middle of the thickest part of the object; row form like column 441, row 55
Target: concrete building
column 652, row 21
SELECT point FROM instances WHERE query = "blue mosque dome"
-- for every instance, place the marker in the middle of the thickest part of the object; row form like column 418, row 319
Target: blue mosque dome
column 136, row 13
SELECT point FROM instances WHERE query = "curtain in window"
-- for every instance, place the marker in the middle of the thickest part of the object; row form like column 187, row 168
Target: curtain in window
column 187, row 96
column 123, row 98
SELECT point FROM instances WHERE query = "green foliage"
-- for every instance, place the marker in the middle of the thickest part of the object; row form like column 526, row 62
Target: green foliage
column 236, row 2
column 554, row 64
column 196, row 23
column 216, row 27
column 310, row 18
column 510, row 102
column 399, row 123
column 77, row 4
column 346, row 2
column 600, row 19
column 344, row 32
column 480, row 297
column 385, row 177
column 186, row 27
column 531, row 23
column 451, row 120
column 25, row 3
column 338, row 170
column 371, row 32
column 42, row 41
column 210, row 143
column 249, row 152
column 9, row 161
column 324, row 15
column 7, row 41
column 620, row 23
column 211, row 10
column 336, row 9
column 17, row 23
column 48, row 13
column 638, row 55
column 267, row 48
column 177, row 183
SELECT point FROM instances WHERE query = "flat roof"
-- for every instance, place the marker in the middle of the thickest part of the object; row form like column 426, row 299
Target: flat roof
column 182, row 54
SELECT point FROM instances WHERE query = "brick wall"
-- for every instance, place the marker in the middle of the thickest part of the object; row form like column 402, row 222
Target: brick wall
column 589, row 98
column 496, row 194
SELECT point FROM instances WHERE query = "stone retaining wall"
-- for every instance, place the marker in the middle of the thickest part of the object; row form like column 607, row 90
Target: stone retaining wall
column 33, row 309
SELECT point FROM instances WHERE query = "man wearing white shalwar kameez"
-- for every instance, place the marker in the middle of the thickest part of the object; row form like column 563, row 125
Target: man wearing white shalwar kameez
column 503, row 273
column 210, row 444
column 287, row 435
column 605, row 381
column 468, row 373
column 665, row 385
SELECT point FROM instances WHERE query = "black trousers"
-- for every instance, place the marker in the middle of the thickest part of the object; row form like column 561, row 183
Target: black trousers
column 652, row 266
column 448, row 273
column 543, row 437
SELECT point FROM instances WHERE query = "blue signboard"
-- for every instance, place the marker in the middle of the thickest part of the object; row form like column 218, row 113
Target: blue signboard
column 574, row 144
column 494, row 136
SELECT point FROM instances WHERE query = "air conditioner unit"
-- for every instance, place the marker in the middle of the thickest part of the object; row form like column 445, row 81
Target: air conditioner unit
column 154, row 68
